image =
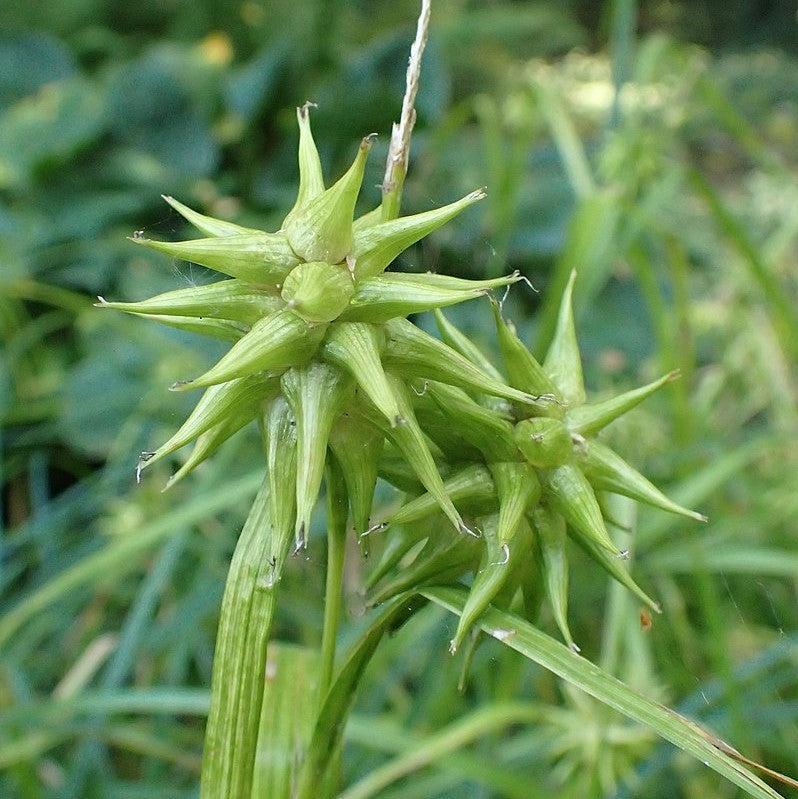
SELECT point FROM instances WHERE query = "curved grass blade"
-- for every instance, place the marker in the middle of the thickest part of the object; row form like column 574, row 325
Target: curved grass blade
column 556, row 657
column 432, row 748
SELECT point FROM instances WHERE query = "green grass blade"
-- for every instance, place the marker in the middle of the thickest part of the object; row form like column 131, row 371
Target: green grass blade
column 121, row 556
column 326, row 737
column 782, row 310
column 286, row 720
column 239, row 663
column 431, row 749
column 556, row 657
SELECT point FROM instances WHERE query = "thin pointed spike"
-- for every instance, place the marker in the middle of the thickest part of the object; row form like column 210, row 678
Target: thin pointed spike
column 321, row 230
column 525, row 373
column 494, row 569
column 376, row 246
column 614, row 566
column 417, row 354
column 550, row 536
column 459, row 342
column 568, row 491
column 217, row 404
column 208, row 225
column 498, row 571
column 609, row 472
column 411, row 441
column 208, row 442
column 311, row 179
column 276, row 342
column 222, row 329
column 589, row 419
column 228, row 299
column 357, row 347
column 563, row 363
column 392, row 294
column 263, row 259
column 472, row 487
column 316, row 394
column 519, row 490
column 358, row 445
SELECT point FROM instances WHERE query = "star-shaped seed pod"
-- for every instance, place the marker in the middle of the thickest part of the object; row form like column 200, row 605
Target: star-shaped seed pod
column 322, row 354
column 539, row 476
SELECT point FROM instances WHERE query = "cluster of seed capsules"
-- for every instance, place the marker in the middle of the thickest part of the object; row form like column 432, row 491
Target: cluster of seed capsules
column 326, row 361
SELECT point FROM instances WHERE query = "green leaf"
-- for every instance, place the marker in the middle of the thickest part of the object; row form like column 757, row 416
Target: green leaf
column 430, row 750
column 521, row 636
column 286, row 720
column 239, row 662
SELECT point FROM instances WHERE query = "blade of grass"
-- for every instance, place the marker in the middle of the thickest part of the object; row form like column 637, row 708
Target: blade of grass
column 384, row 735
column 120, row 556
column 556, row 657
column 782, row 310
column 434, row 747
column 239, row 662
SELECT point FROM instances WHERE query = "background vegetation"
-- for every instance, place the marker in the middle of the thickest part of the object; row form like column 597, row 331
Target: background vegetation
column 650, row 145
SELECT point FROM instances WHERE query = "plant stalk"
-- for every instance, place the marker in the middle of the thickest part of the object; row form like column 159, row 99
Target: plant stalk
column 399, row 148
column 248, row 607
column 336, row 553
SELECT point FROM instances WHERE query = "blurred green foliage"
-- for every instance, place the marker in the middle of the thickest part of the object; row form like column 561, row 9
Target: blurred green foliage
column 651, row 147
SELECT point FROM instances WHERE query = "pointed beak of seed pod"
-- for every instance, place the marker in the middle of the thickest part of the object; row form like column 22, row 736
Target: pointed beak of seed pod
column 321, row 228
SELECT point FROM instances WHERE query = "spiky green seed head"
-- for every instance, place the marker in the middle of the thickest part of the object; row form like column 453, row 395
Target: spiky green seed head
column 306, row 309
column 567, row 471
column 324, row 357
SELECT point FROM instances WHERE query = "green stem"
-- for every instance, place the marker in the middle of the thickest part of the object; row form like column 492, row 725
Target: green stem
column 336, row 546
column 248, row 608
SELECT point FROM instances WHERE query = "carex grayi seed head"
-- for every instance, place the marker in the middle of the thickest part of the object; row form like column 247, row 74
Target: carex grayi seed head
column 319, row 334
column 324, row 357
column 539, row 476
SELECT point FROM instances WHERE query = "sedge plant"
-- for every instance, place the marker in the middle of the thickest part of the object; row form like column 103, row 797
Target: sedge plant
column 497, row 466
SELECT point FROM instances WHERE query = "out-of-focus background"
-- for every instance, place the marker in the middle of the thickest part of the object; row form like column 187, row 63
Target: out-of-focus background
column 651, row 145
